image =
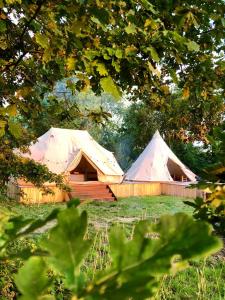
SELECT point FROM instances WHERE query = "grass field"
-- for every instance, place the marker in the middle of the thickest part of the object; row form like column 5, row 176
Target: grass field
column 203, row 280
column 132, row 208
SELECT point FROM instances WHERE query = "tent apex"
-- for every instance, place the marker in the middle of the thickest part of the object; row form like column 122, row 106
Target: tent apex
column 157, row 133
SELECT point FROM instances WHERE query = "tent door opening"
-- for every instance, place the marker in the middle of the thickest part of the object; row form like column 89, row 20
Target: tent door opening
column 175, row 171
column 84, row 171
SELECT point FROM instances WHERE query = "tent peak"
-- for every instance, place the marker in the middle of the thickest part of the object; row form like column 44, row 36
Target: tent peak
column 55, row 130
column 66, row 129
column 157, row 134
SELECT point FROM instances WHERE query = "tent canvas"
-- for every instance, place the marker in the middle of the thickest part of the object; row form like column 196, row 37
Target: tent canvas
column 61, row 150
column 158, row 163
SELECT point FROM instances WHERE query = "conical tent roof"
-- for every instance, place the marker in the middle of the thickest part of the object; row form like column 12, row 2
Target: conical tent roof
column 61, row 150
column 158, row 163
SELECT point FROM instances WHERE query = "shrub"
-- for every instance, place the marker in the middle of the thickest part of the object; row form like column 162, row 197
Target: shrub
column 211, row 209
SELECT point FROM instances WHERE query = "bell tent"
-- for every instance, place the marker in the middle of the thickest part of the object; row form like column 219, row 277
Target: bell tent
column 76, row 154
column 158, row 163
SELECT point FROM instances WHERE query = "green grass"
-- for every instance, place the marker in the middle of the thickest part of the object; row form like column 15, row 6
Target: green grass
column 204, row 280
column 126, row 209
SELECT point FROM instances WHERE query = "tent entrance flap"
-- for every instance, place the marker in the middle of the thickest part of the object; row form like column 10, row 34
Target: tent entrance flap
column 86, row 170
column 176, row 171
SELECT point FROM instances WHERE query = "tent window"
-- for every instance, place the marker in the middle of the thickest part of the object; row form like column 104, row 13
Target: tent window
column 175, row 171
column 84, row 170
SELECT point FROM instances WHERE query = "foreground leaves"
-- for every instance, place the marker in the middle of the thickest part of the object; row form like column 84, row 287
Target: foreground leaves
column 66, row 245
column 154, row 251
column 32, row 279
column 13, row 227
column 137, row 264
column 211, row 209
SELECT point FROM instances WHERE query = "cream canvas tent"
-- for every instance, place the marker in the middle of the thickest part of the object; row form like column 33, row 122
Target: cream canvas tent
column 158, row 163
column 75, row 153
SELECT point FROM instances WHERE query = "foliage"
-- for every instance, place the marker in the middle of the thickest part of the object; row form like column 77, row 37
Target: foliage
column 33, row 271
column 216, row 169
column 197, row 158
column 65, row 108
column 154, row 250
column 139, row 125
column 211, row 209
column 138, row 46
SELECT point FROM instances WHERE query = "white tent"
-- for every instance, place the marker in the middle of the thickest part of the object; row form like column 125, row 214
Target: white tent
column 64, row 150
column 158, row 163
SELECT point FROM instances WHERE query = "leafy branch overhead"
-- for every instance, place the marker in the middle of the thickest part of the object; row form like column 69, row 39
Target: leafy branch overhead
column 140, row 47
column 154, row 250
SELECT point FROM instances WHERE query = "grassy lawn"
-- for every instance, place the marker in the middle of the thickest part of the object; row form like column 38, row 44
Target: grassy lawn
column 203, row 280
column 124, row 210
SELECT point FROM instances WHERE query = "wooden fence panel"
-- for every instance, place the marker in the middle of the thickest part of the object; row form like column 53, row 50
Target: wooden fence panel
column 136, row 189
column 179, row 190
column 33, row 195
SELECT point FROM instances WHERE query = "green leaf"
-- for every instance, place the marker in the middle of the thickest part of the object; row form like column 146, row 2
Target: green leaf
column 148, row 6
column 173, row 75
column 101, row 69
column 192, row 46
column 32, row 280
column 119, row 53
column 116, row 65
column 15, row 129
column 17, row 226
column 192, row 204
column 2, row 128
column 2, row 26
column 155, row 71
column 39, row 223
column 154, row 54
column 13, row 1
column 190, row 238
column 223, row 22
column 110, row 51
column 11, row 110
column 100, row 14
column 42, row 40
column 70, row 63
column 67, row 246
column 110, row 87
column 130, row 29
column 130, row 50
column 138, row 264
column 117, row 242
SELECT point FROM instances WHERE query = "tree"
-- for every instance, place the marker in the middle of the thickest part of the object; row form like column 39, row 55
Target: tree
column 139, row 46
column 64, row 109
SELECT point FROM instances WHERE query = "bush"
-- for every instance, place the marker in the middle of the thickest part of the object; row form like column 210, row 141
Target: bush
column 211, row 209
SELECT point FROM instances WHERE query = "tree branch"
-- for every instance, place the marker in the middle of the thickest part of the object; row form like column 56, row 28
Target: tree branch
column 39, row 5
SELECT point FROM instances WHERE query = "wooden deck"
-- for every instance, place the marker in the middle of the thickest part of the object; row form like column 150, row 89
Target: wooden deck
column 95, row 190
column 173, row 188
